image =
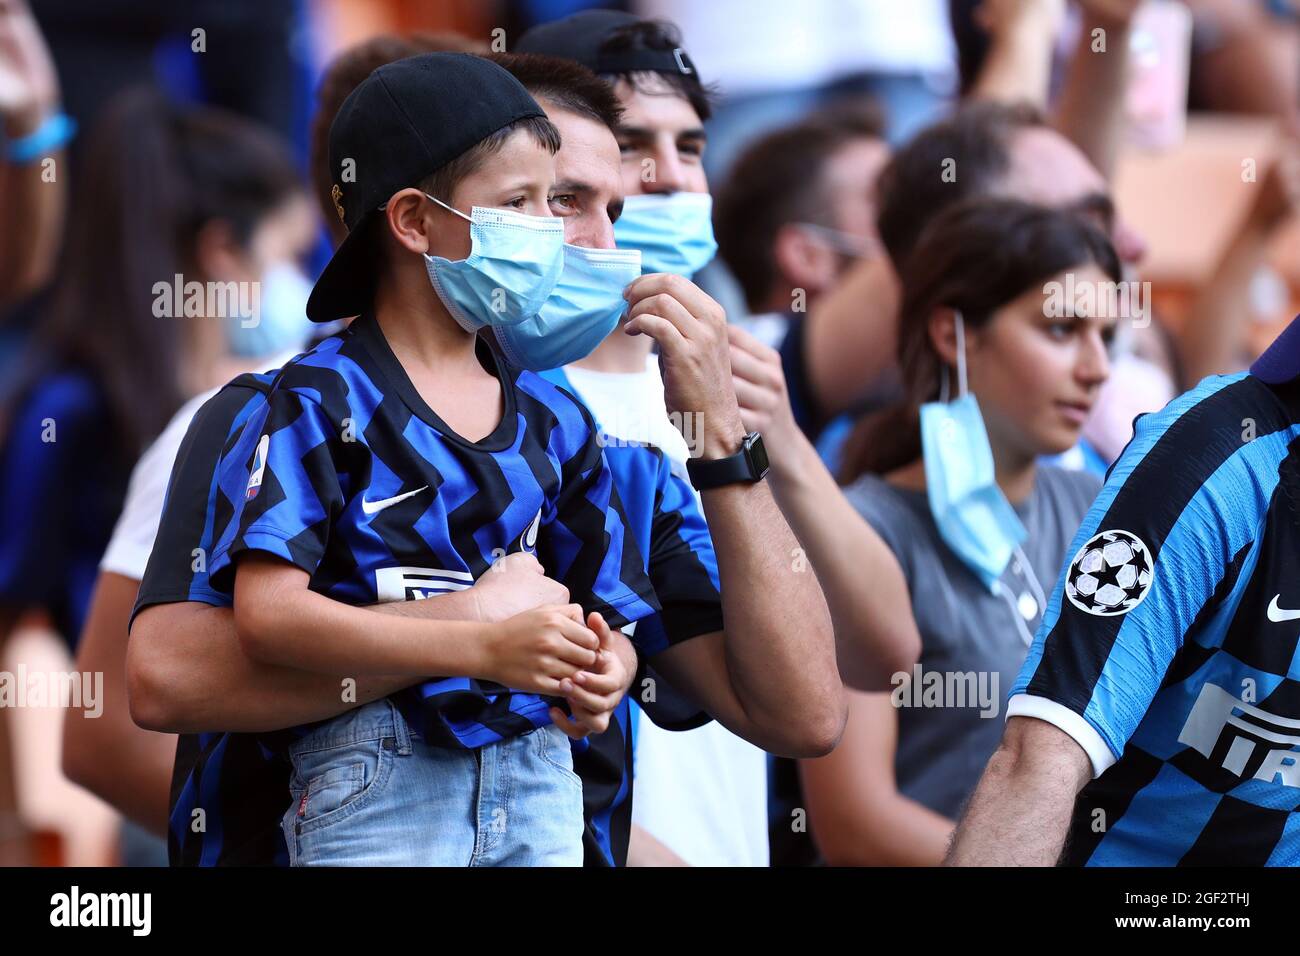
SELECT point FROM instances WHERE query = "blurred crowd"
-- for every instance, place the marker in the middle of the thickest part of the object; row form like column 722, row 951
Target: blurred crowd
column 894, row 188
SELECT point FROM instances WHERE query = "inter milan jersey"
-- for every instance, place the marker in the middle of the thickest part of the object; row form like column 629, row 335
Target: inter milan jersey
column 1169, row 647
column 229, row 791
column 240, row 782
column 354, row 479
column 677, row 553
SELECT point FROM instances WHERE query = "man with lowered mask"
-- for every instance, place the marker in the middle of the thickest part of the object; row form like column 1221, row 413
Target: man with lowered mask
column 702, row 793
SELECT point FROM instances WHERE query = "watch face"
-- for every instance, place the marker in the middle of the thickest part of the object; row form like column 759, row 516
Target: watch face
column 757, row 455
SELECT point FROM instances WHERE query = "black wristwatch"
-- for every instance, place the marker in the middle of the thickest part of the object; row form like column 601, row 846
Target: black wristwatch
column 749, row 464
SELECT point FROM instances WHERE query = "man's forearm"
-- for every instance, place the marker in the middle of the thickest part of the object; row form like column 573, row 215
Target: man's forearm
column 190, row 674
column 851, row 336
column 1092, row 104
column 1020, row 813
column 779, row 642
column 864, row 586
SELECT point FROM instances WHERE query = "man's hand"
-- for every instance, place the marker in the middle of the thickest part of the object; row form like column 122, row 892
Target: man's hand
column 691, row 330
column 759, row 381
column 536, row 650
column 594, row 693
column 514, row 584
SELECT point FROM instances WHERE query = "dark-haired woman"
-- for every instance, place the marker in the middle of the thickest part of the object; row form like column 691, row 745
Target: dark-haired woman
column 179, row 267
column 963, row 533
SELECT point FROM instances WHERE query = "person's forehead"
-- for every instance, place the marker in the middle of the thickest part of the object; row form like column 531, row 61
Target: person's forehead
column 588, row 153
column 856, row 163
column 1047, row 168
column 656, row 106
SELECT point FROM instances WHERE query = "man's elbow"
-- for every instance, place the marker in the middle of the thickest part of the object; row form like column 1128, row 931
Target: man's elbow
column 255, row 627
column 150, row 688
column 819, row 731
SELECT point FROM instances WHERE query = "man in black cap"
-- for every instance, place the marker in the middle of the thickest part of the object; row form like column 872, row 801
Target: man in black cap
column 1155, row 720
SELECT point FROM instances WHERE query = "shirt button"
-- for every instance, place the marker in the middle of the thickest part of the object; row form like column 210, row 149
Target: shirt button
column 1028, row 606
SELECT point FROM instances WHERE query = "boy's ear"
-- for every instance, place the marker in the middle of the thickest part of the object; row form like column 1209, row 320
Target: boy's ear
column 407, row 215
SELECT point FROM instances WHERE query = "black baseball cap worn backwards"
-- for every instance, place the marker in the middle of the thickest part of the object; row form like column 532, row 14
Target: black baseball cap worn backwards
column 405, row 121
column 579, row 37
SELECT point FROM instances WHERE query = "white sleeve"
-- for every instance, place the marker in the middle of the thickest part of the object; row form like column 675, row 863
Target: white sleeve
column 128, row 550
column 1099, row 753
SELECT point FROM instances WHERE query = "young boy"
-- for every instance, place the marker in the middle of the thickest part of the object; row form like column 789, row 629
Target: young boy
column 401, row 459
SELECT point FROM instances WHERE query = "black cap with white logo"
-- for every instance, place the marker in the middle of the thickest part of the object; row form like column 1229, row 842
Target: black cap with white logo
column 580, row 37
column 406, row 120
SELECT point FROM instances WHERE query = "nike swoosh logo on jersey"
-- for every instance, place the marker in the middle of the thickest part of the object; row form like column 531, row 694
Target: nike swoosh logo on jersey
column 1277, row 614
column 371, row 507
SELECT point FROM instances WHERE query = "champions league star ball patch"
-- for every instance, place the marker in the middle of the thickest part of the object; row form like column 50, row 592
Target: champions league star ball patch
column 1110, row 575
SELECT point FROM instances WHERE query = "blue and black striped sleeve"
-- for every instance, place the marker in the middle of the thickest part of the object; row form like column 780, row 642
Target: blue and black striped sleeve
column 195, row 510
column 588, row 543
column 1185, row 497
column 286, row 486
column 683, row 567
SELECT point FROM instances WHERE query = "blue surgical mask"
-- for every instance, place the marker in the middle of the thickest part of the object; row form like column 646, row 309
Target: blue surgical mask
column 974, row 517
column 513, row 264
column 280, row 323
column 674, row 231
column 584, row 307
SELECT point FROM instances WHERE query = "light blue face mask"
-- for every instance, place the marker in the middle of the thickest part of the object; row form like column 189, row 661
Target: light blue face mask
column 280, row 323
column 584, row 307
column 513, row 264
column 974, row 517
column 674, row 231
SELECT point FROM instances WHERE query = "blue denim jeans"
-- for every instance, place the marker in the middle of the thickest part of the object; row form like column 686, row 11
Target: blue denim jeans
column 367, row 791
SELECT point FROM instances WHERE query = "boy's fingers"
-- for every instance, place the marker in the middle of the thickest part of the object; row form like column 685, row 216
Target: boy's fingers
column 578, row 633
column 575, row 731
column 587, row 699
column 598, row 626
column 580, row 657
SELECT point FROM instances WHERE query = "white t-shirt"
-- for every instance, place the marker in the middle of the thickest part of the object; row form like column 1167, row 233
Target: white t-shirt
column 137, row 526
column 133, row 536
column 702, row 792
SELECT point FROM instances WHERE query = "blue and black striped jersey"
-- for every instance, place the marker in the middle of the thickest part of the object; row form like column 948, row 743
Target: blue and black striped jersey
column 229, row 790
column 350, row 476
column 241, row 783
column 1170, row 650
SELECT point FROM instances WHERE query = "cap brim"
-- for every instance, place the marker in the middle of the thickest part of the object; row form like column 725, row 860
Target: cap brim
column 346, row 286
column 1281, row 362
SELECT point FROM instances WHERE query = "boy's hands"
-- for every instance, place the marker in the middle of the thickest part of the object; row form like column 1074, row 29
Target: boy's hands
column 514, row 584
column 594, row 693
column 536, row 650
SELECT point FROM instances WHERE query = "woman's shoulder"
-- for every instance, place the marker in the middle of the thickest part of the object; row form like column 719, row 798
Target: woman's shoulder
column 1067, row 490
column 884, row 505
